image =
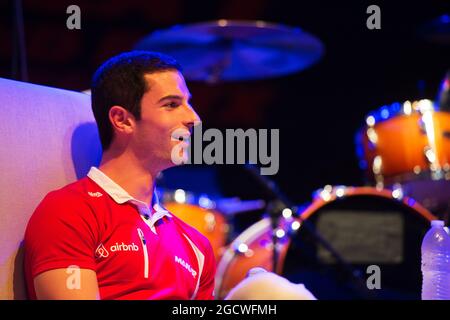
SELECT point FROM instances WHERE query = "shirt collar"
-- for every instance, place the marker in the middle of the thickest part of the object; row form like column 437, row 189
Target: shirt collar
column 119, row 195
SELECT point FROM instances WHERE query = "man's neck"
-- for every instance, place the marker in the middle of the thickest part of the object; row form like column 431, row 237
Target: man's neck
column 128, row 173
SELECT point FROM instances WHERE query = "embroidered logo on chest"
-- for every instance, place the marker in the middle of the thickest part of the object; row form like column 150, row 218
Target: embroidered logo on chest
column 186, row 265
column 95, row 194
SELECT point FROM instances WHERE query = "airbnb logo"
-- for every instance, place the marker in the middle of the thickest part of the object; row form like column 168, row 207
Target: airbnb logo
column 124, row 247
column 101, row 251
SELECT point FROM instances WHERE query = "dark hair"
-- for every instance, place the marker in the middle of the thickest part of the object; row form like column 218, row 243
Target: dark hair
column 120, row 81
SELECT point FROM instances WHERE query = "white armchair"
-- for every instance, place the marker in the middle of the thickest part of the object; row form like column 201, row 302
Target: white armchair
column 48, row 138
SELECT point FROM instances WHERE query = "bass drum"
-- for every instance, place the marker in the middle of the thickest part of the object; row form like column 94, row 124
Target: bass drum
column 376, row 232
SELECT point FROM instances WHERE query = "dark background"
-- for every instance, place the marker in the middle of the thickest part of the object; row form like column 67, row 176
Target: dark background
column 318, row 110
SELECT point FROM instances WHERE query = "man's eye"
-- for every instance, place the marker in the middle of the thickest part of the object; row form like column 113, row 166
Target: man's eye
column 171, row 105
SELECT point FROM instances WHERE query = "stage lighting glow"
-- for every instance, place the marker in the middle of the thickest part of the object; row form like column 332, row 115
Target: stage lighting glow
column 180, row 196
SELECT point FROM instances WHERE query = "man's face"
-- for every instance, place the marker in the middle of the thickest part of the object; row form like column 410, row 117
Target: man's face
column 165, row 108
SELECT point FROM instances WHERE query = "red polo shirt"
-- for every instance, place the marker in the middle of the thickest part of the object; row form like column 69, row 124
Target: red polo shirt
column 136, row 252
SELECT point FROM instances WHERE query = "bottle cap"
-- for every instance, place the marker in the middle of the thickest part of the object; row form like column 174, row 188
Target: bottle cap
column 437, row 223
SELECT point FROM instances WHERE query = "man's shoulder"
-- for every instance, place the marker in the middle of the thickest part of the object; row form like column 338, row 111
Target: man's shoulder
column 77, row 191
column 68, row 205
column 80, row 196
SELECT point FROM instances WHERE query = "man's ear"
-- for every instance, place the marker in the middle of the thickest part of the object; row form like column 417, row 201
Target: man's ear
column 121, row 119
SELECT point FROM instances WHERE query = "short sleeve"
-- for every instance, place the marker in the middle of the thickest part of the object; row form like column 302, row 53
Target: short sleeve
column 60, row 233
column 207, row 281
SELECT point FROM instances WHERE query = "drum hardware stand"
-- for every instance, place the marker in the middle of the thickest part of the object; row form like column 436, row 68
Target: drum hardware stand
column 275, row 208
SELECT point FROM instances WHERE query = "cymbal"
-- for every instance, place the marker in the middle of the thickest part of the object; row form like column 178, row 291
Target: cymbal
column 231, row 50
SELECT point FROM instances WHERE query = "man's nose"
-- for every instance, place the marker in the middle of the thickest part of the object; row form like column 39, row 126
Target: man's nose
column 192, row 119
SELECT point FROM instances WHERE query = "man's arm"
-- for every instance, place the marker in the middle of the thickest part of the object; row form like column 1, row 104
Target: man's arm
column 60, row 242
column 67, row 284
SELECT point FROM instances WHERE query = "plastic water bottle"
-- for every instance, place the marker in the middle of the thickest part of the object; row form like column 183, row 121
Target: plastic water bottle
column 436, row 263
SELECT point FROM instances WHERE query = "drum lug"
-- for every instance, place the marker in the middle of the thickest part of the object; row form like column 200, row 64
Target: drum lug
column 373, row 138
column 435, row 168
column 376, row 169
column 397, row 192
column 429, row 154
column 324, row 193
column 210, row 222
column 243, row 249
column 446, row 168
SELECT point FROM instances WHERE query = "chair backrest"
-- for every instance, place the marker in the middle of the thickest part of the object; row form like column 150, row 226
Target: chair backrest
column 48, row 138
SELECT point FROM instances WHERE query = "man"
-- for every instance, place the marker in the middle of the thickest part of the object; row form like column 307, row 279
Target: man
column 106, row 236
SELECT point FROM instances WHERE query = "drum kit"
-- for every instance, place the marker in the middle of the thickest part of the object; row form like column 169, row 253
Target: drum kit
column 407, row 146
column 404, row 150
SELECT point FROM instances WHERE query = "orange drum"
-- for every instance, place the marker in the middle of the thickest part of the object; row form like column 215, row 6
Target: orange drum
column 199, row 212
column 252, row 248
column 403, row 142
